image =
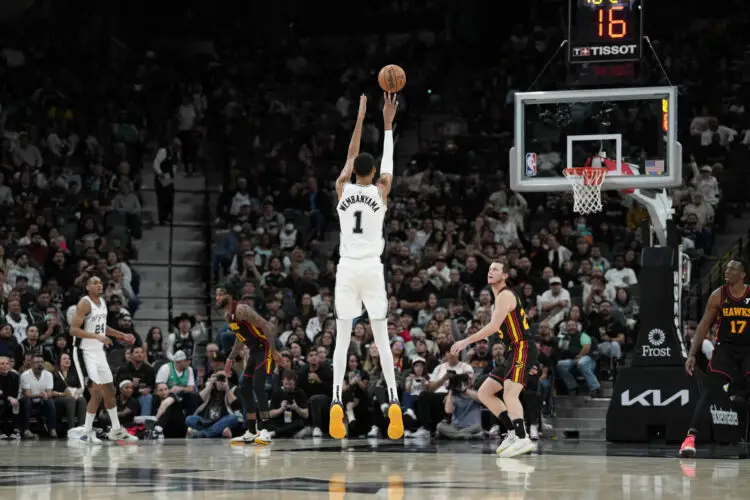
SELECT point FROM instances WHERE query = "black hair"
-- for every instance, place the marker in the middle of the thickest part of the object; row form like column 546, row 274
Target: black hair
column 742, row 263
column 364, row 164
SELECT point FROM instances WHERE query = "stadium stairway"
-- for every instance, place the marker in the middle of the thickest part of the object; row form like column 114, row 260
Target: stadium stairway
column 184, row 283
column 580, row 416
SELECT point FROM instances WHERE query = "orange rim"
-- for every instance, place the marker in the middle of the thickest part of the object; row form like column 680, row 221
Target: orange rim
column 592, row 176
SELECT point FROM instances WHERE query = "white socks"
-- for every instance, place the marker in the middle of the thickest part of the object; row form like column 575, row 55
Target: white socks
column 113, row 418
column 380, row 333
column 88, row 425
column 341, row 355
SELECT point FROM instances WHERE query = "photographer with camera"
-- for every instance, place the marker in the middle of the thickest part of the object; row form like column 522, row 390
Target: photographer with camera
column 220, row 412
column 431, row 406
column 463, row 407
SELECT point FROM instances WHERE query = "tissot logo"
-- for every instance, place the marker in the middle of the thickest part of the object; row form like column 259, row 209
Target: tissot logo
column 653, row 397
column 605, row 50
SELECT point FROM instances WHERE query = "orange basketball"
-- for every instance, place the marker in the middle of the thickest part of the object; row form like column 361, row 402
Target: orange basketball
column 392, row 78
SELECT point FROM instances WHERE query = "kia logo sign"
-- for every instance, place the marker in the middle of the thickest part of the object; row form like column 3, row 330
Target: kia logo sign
column 653, row 397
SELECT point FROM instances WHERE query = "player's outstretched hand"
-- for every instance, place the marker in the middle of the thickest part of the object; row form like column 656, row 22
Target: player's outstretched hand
column 458, row 347
column 128, row 338
column 105, row 340
column 362, row 107
column 690, row 365
column 389, row 107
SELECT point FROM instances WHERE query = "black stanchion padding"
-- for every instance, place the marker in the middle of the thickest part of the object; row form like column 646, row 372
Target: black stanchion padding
column 657, row 343
column 652, row 402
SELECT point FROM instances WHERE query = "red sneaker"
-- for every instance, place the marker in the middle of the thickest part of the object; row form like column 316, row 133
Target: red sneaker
column 687, row 450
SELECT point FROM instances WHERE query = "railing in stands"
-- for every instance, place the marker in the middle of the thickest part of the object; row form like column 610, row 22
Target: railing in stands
column 170, row 301
column 207, row 261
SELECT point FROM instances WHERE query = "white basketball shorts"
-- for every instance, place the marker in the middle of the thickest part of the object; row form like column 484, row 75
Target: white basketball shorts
column 92, row 363
column 358, row 281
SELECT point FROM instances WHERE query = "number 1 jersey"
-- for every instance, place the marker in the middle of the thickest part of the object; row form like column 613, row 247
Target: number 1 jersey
column 361, row 217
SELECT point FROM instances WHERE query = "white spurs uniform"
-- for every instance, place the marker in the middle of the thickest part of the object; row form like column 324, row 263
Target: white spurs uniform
column 88, row 354
column 360, row 277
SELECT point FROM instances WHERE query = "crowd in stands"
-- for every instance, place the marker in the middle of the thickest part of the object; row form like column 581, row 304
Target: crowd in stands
column 70, row 209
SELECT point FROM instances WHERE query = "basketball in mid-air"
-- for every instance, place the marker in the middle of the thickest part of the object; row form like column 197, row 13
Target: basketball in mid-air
column 392, row 78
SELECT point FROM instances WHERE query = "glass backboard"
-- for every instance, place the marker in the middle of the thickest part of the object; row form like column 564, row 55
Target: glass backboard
column 630, row 131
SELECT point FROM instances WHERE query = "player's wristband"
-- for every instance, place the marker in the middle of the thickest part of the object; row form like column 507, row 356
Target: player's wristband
column 386, row 164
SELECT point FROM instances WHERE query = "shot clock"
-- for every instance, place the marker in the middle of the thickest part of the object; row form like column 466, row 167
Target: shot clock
column 605, row 30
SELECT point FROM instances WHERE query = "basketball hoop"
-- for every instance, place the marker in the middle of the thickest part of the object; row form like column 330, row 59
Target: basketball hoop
column 587, row 188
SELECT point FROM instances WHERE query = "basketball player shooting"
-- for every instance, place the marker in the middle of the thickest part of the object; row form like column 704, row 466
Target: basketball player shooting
column 360, row 276
column 251, row 330
column 91, row 333
column 510, row 323
column 729, row 306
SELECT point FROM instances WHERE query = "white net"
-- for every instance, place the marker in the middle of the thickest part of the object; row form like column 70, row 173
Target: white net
column 587, row 188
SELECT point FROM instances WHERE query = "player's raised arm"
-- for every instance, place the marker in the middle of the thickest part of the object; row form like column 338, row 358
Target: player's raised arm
column 709, row 316
column 504, row 304
column 386, row 163
column 346, row 173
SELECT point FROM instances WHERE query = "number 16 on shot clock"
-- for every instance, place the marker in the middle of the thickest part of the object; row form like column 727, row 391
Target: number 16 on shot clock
column 530, row 164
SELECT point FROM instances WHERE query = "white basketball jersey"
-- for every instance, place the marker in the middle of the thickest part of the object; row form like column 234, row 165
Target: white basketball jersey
column 361, row 216
column 96, row 323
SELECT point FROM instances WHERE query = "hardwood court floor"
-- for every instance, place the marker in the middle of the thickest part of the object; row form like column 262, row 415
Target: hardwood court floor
column 289, row 470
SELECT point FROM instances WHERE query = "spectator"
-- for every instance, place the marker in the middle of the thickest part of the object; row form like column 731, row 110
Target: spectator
column 316, row 324
column 609, row 331
column 317, row 383
column 289, row 408
column 169, row 412
column 180, row 380
column 68, row 391
column 220, row 412
column 141, row 374
column 555, row 301
column 37, row 392
column 155, row 345
column 9, row 346
column 465, row 412
column 575, row 347
column 627, row 306
column 17, row 320
column 432, row 400
column 620, row 275
column 9, row 404
column 165, row 167
column 190, row 330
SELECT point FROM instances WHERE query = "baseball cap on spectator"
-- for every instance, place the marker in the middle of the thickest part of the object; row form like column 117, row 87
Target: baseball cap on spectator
column 418, row 359
column 126, row 316
column 461, row 319
column 115, row 299
column 707, row 169
column 180, row 356
column 555, row 280
column 268, row 200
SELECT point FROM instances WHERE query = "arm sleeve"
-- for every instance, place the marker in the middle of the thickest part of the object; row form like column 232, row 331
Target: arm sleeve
column 163, row 374
column 170, row 347
column 386, row 164
column 161, row 155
